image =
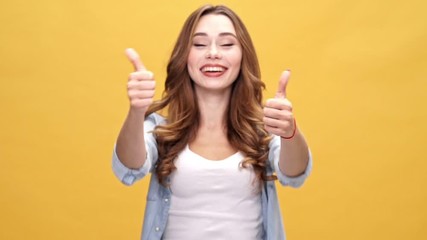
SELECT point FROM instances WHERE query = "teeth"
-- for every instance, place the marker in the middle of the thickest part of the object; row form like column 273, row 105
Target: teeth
column 212, row 69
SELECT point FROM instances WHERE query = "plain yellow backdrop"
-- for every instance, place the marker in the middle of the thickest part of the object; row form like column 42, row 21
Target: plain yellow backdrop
column 358, row 86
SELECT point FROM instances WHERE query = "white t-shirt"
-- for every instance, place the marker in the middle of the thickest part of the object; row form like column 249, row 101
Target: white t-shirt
column 213, row 200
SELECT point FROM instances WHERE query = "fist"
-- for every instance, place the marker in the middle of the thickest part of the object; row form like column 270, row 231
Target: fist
column 278, row 117
column 141, row 84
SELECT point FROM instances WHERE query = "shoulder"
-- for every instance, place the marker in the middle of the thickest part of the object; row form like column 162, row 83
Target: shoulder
column 274, row 142
column 155, row 119
column 274, row 151
column 152, row 121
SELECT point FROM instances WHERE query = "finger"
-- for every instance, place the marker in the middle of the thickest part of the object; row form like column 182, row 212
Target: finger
column 283, row 83
column 279, row 103
column 277, row 127
column 141, row 94
column 277, row 131
column 141, row 75
column 276, row 123
column 133, row 57
column 278, row 114
column 138, row 85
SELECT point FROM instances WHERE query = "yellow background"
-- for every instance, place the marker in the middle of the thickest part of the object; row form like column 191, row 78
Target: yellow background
column 358, row 87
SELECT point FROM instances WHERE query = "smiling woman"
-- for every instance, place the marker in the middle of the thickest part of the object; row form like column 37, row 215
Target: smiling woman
column 215, row 155
column 216, row 55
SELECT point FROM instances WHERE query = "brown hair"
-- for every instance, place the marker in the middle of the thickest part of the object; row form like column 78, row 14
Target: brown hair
column 245, row 129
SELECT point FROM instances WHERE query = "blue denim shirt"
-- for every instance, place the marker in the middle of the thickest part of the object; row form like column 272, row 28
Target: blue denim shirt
column 158, row 198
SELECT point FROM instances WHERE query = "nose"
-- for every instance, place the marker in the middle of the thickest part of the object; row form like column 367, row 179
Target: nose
column 213, row 53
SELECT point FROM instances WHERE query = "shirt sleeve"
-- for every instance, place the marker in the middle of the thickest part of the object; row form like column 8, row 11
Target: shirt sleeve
column 274, row 156
column 129, row 176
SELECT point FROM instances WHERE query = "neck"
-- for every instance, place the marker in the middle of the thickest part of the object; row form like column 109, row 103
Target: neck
column 213, row 107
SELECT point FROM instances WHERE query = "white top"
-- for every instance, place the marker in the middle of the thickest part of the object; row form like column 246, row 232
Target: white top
column 213, row 200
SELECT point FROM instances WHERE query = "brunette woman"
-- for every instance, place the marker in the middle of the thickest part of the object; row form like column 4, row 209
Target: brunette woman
column 213, row 150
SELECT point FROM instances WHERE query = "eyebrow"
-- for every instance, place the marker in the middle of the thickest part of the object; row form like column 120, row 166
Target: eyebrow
column 221, row 34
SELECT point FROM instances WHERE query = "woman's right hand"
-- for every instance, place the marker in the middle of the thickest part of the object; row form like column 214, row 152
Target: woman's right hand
column 141, row 84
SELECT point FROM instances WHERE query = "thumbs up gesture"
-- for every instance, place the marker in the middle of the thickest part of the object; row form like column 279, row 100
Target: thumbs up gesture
column 141, row 84
column 278, row 117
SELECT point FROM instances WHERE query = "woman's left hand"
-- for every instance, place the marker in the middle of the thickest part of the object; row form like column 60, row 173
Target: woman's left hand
column 278, row 117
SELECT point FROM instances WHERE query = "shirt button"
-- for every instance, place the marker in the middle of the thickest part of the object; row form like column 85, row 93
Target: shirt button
column 157, row 229
column 166, row 200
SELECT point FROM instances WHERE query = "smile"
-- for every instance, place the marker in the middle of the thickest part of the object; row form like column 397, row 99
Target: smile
column 213, row 69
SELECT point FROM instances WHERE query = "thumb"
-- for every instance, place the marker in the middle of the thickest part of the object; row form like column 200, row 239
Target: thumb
column 283, row 82
column 133, row 57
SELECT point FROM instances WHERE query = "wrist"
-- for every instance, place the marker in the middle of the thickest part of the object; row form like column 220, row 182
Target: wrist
column 137, row 112
column 293, row 132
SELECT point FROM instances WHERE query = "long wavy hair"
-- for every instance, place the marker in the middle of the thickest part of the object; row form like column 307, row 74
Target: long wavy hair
column 245, row 129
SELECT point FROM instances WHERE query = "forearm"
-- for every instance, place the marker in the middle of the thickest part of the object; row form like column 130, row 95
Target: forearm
column 130, row 146
column 294, row 155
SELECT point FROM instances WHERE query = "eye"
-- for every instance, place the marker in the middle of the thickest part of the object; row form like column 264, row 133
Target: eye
column 227, row 45
column 199, row 45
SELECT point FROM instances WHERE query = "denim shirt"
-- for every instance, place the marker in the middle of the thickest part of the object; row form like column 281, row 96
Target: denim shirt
column 158, row 198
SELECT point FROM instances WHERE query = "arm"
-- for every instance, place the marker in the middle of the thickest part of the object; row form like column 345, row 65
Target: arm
column 293, row 155
column 279, row 120
column 130, row 146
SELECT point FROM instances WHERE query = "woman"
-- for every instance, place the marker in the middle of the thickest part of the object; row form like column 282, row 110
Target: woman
column 214, row 155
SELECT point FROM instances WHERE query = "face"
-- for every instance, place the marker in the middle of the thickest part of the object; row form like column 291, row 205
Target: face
column 215, row 55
